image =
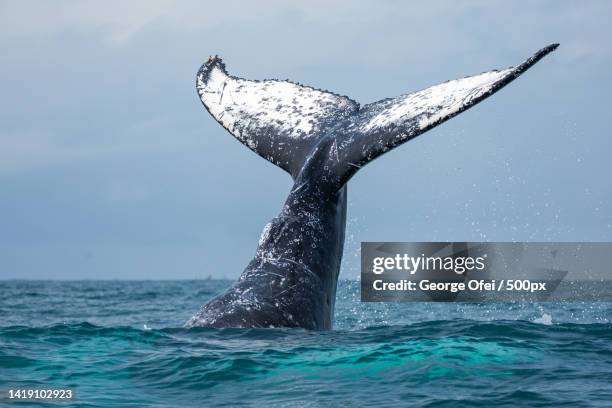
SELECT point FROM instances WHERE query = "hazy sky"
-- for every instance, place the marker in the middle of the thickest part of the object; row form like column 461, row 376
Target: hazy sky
column 111, row 168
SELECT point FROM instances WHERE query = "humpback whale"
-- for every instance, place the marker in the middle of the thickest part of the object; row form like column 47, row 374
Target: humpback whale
column 321, row 139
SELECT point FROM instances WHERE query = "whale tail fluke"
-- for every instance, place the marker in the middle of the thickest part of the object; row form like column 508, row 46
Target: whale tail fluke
column 381, row 126
column 279, row 120
column 283, row 121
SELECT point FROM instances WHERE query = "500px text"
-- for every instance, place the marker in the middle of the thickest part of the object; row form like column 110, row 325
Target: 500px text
column 523, row 285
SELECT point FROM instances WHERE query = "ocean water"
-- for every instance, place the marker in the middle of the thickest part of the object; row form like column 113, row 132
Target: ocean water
column 122, row 344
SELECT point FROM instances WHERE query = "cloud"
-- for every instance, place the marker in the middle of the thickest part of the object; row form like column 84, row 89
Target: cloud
column 29, row 150
column 103, row 139
column 121, row 191
column 142, row 55
column 119, row 21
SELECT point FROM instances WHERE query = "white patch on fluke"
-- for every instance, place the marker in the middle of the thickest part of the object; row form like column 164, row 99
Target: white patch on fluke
column 265, row 234
column 244, row 106
column 436, row 102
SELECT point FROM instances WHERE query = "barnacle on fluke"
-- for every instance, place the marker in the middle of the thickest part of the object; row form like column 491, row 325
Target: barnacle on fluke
column 321, row 139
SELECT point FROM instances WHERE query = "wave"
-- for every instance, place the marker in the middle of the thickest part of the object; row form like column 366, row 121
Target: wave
column 180, row 361
column 120, row 343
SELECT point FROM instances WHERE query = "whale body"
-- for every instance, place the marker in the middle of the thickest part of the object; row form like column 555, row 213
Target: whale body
column 321, row 139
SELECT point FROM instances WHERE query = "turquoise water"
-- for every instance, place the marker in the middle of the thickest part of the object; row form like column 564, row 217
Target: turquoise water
column 121, row 344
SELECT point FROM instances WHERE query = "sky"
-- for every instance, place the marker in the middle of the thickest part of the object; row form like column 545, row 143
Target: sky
column 111, row 169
